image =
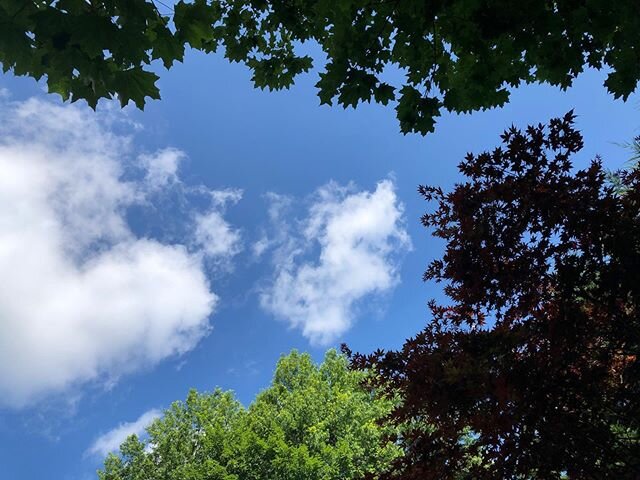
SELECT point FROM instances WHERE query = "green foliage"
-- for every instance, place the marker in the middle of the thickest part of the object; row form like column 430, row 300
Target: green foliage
column 460, row 55
column 313, row 422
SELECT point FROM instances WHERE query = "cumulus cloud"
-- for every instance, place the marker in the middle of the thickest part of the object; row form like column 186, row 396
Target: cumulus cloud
column 83, row 298
column 111, row 441
column 360, row 236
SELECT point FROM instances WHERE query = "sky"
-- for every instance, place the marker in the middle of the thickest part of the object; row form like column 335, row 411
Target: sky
column 191, row 245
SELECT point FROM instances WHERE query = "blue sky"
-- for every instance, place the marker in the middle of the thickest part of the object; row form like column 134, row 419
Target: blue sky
column 190, row 245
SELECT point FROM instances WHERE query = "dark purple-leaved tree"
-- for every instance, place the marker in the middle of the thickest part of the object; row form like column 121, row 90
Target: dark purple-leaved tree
column 532, row 370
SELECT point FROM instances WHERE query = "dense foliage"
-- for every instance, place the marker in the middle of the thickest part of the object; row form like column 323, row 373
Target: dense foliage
column 458, row 55
column 536, row 360
column 315, row 422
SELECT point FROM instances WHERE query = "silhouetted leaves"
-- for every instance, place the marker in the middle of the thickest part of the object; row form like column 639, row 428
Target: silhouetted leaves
column 460, row 55
column 532, row 371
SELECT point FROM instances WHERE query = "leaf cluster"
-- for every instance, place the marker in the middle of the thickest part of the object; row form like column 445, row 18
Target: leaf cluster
column 537, row 356
column 456, row 55
column 313, row 422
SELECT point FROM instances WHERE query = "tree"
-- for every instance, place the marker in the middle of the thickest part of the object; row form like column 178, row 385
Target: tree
column 313, row 422
column 459, row 55
column 535, row 362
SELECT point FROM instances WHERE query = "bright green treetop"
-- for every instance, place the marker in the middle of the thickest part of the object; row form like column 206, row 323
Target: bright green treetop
column 455, row 55
column 315, row 422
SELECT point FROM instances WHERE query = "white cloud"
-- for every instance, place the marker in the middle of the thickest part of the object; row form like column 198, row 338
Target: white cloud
column 161, row 167
column 278, row 207
column 259, row 247
column 213, row 234
column 360, row 235
column 83, row 298
column 221, row 198
column 111, row 441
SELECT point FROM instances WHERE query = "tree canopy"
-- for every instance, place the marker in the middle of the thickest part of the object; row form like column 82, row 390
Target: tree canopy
column 458, row 56
column 536, row 358
column 315, row 422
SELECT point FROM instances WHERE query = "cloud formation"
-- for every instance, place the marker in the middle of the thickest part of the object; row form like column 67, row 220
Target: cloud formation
column 360, row 236
column 111, row 441
column 162, row 167
column 213, row 234
column 83, row 298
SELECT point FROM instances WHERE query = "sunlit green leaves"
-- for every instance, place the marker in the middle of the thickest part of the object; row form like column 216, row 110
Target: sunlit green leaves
column 315, row 422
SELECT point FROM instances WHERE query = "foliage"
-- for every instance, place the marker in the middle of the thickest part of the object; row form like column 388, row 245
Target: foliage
column 536, row 359
column 459, row 55
column 313, row 422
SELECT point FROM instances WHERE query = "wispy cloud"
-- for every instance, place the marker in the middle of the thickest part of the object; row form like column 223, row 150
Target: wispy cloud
column 162, row 167
column 217, row 239
column 111, row 441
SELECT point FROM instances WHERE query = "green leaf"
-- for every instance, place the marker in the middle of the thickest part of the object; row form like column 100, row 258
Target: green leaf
column 195, row 22
column 135, row 85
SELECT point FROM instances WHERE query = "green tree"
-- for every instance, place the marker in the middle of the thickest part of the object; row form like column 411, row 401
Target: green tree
column 458, row 55
column 313, row 422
